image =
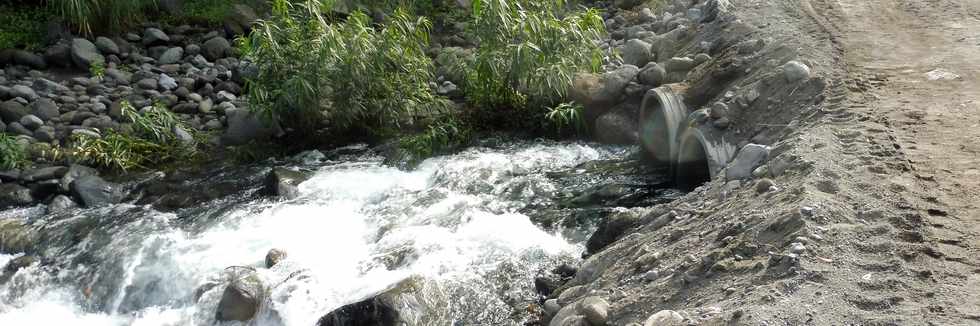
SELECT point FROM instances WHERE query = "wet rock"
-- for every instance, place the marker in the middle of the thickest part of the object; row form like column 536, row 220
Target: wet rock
column 240, row 299
column 245, row 126
column 665, row 318
column 283, row 182
column 147, row 84
column 45, row 134
column 46, row 86
column 106, row 45
column 154, row 36
column 653, row 74
column 404, row 304
column 17, row 129
column 14, row 195
column 545, row 285
column 215, row 48
column 84, row 54
column 718, row 110
column 60, row 203
column 749, row 157
column 595, row 310
column 92, row 191
column 273, row 257
column 795, row 71
column 636, row 52
column 615, row 128
column 15, row 265
column 679, row 64
column 599, row 93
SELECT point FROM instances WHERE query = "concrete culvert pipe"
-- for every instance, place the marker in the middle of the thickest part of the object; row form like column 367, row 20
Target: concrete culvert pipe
column 702, row 154
column 662, row 115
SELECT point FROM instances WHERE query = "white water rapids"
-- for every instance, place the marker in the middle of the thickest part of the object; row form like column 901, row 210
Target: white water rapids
column 454, row 220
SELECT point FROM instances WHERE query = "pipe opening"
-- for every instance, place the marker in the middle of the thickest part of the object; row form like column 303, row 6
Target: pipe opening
column 692, row 168
column 655, row 131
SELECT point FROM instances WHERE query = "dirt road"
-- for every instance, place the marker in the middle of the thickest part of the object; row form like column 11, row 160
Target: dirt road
column 914, row 65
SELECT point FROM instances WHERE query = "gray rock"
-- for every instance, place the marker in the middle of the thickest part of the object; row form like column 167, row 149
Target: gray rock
column 615, row 127
column 61, row 203
column 119, row 76
column 240, row 299
column 722, row 123
column 245, row 126
column 58, row 55
column 92, row 191
column 205, row 106
column 171, row 56
column 653, row 75
column 23, row 92
column 29, row 59
column 718, row 110
column 17, row 129
column 679, row 64
column 764, row 185
column 701, row 58
column 595, row 310
column 239, row 21
column 74, row 172
column 42, row 174
column 106, row 45
column 183, row 136
column 750, row 46
column 167, row 83
column 551, row 307
column 12, row 111
column 85, row 133
column 48, row 86
column 192, row 49
column 154, row 36
column 274, row 256
column 749, row 157
column 173, row 7
column 597, row 93
column 795, row 71
column 13, row 195
column 282, row 182
column 636, row 52
column 148, row 83
column 224, row 96
column 797, row 248
column 31, row 122
column 199, row 61
column 665, row 318
column 84, row 54
column 45, row 134
column 215, row 48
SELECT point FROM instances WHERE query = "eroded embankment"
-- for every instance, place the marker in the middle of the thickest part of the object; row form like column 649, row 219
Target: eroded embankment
column 804, row 226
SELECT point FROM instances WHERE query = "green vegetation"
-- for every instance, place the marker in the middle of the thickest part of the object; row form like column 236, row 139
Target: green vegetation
column 97, row 70
column 154, row 142
column 22, row 26
column 440, row 137
column 566, row 118
column 347, row 74
column 529, row 50
column 12, row 154
column 88, row 16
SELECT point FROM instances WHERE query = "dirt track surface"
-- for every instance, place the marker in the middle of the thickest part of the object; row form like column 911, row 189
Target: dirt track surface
column 913, row 66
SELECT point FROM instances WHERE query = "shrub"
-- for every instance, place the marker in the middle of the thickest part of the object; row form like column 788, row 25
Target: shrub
column 22, row 26
column 89, row 16
column 345, row 74
column 529, row 50
column 566, row 118
column 438, row 138
column 12, row 154
column 153, row 143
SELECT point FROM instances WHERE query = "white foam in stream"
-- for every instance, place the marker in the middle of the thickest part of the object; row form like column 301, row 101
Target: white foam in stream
column 453, row 215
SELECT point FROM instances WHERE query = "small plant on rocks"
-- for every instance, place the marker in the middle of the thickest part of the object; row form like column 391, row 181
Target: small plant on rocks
column 12, row 154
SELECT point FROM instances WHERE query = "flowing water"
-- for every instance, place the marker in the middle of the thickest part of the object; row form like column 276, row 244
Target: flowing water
column 464, row 223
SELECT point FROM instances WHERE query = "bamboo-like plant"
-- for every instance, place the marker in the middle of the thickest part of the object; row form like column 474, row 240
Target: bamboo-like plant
column 89, row 16
column 529, row 50
column 314, row 71
column 12, row 154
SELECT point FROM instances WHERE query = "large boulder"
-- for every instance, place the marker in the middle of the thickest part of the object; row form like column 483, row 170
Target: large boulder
column 216, row 48
column 636, row 52
column 748, row 159
column 611, row 229
column 23, row 92
column 154, row 36
column 240, row 299
column 239, row 21
column 13, row 195
column 106, row 45
column 665, row 318
column 283, row 182
column 653, row 75
column 599, row 93
column 84, row 54
column 245, row 126
column 171, row 56
column 29, row 59
column 404, row 304
column 92, row 191
column 46, row 109
column 615, row 127
column 58, row 55
column 11, row 111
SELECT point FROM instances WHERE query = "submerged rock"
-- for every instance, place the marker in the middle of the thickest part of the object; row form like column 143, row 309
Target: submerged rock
column 273, row 257
column 283, row 182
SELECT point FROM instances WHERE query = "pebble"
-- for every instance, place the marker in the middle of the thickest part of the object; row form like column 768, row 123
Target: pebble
column 795, row 71
column 797, row 248
column 764, row 185
column 595, row 310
